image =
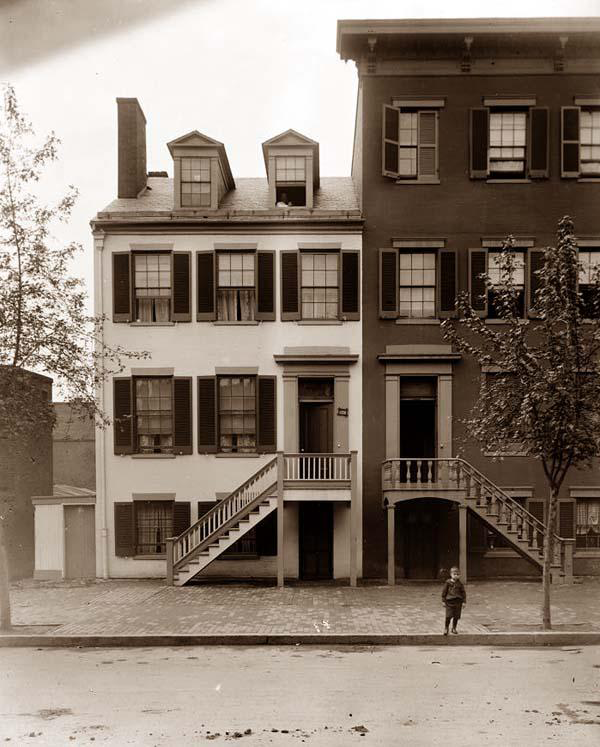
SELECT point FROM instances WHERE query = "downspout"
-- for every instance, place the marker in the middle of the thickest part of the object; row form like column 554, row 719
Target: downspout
column 101, row 505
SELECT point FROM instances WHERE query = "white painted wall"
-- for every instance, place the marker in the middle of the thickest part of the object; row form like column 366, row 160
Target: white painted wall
column 49, row 538
column 195, row 349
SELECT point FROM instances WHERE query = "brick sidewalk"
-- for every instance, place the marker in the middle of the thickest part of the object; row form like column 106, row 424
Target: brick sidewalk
column 146, row 607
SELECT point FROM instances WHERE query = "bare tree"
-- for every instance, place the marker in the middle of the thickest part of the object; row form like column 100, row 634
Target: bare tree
column 545, row 395
column 44, row 325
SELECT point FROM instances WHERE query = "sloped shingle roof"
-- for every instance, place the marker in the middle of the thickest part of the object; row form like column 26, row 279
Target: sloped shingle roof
column 335, row 193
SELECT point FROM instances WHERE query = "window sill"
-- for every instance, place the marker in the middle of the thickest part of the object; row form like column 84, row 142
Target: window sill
column 319, row 322
column 152, row 324
column 582, row 552
column 504, row 321
column 508, row 181
column 416, row 321
column 153, row 456
column 227, row 455
column 250, row 323
column 504, row 454
column 161, row 556
column 589, row 179
column 418, row 181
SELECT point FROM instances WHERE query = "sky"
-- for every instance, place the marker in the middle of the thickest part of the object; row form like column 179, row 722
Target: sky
column 240, row 71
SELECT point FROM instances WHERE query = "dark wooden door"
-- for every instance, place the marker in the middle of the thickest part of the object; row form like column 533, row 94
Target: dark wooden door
column 80, row 542
column 316, row 541
column 316, row 427
column 420, row 522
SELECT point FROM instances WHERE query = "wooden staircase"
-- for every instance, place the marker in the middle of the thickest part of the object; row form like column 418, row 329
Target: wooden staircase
column 224, row 524
column 458, row 480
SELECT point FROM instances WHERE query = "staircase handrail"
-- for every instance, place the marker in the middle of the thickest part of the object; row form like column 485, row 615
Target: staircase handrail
column 484, row 481
column 182, row 548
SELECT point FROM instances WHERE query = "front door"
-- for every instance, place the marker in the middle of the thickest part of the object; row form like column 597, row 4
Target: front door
column 420, row 538
column 316, row 540
column 316, row 427
column 417, row 427
column 80, row 542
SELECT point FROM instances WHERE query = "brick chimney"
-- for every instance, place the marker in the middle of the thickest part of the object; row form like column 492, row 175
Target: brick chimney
column 132, row 147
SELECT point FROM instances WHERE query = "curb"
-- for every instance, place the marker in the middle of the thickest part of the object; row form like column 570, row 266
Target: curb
column 559, row 638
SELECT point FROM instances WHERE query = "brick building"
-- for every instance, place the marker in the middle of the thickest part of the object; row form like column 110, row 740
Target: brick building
column 466, row 131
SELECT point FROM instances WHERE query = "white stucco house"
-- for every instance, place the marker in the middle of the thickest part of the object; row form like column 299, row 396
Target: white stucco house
column 235, row 448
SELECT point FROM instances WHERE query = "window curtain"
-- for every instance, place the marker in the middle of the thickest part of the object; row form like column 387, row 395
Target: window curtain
column 247, row 305
column 162, row 308
column 144, row 309
column 227, row 305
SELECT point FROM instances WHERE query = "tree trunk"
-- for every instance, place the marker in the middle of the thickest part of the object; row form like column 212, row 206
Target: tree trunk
column 548, row 558
column 5, row 618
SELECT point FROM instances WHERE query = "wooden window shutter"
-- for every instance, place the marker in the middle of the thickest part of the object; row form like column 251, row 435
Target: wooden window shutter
column 181, row 517
column 566, row 519
column 479, row 132
column 121, row 268
column 388, row 283
column 290, row 296
column 267, row 414
column 205, row 286
column 350, row 286
column 204, row 507
column 266, row 535
column 265, row 280
column 447, row 283
column 569, row 145
column 539, row 120
column 537, row 508
column 427, row 146
column 535, row 263
column 122, row 416
column 182, row 287
column 390, row 137
column 124, row 530
column 477, row 285
column 182, row 415
column 207, row 414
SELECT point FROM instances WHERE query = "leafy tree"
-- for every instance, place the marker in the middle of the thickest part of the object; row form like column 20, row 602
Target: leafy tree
column 44, row 325
column 546, row 396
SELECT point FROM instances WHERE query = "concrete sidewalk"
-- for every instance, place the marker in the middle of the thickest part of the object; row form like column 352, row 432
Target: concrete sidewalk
column 147, row 612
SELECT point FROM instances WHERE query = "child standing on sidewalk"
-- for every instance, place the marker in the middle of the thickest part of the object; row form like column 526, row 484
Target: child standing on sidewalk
column 454, row 596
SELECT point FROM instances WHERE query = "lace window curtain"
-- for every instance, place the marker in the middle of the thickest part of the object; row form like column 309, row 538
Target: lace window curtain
column 235, row 294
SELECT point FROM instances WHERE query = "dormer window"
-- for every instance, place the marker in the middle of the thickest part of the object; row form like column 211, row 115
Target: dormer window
column 290, row 181
column 195, row 182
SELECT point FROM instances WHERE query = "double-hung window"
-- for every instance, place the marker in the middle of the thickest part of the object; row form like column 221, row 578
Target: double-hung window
column 153, row 524
column 320, row 285
column 235, row 287
column 290, row 181
column 154, row 415
column 589, row 138
column 152, row 278
column 509, row 139
column 417, row 284
column 195, row 182
column 410, row 141
column 499, row 278
column 507, row 143
column 417, row 281
column 587, row 527
column 237, row 414
column 589, row 276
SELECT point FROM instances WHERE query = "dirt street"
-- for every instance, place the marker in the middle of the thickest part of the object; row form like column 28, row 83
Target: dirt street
column 295, row 695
